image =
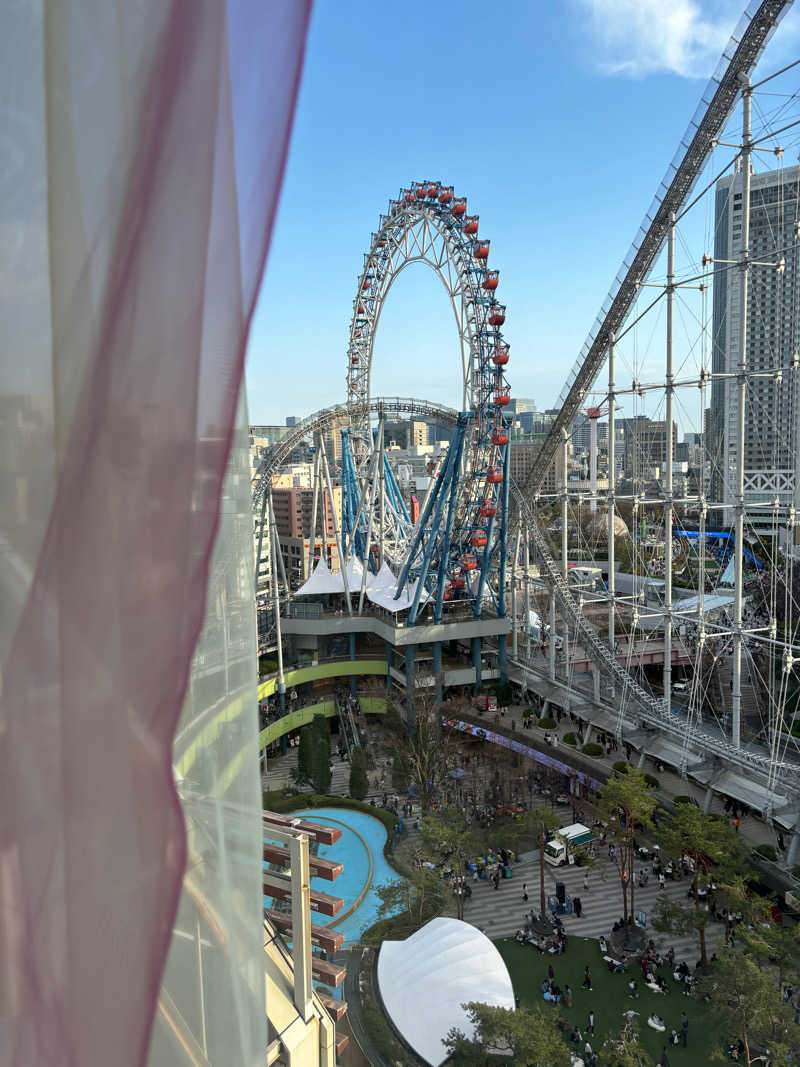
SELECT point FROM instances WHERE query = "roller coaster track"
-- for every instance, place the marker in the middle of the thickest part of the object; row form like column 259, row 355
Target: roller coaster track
column 716, row 105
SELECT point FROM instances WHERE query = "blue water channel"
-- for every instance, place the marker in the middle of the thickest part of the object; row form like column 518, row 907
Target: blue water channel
column 363, row 838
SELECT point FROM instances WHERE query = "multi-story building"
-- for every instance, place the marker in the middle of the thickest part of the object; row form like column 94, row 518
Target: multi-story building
column 293, row 508
column 770, row 441
column 645, row 444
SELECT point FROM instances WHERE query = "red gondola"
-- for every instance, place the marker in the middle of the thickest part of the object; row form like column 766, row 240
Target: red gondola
column 470, row 224
column 445, row 194
column 459, row 205
column 420, row 191
column 408, row 196
column 487, row 509
column 458, row 582
column 494, row 475
column 469, row 562
column 367, row 284
column 497, row 315
column 500, row 357
column 447, row 594
column 480, row 250
column 433, row 189
column 491, row 281
column 500, row 435
column 479, row 539
column 502, row 397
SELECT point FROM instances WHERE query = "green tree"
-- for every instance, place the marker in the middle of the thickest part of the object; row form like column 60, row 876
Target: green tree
column 320, row 754
column 624, row 1049
column 427, row 752
column 774, row 945
column 530, row 1038
column 416, row 898
column 713, row 850
column 627, row 800
column 304, row 762
column 746, row 1000
column 359, row 779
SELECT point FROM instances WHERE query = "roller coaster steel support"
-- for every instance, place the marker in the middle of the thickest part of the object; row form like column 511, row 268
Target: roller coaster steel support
column 738, row 549
column 718, row 101
column 670, row 293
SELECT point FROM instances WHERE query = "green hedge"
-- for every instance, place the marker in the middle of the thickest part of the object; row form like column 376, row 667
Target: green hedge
column 570, row 739
column 592, row 748
column 547, row 723
column 767, row 851
column 621, row 767
column 652, row 781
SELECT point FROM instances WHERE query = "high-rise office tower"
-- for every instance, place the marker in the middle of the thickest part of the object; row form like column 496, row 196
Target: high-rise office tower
column 771, row 414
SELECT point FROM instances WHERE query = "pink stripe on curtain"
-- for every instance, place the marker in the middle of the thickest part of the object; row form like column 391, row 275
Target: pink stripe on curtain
column 165, row 128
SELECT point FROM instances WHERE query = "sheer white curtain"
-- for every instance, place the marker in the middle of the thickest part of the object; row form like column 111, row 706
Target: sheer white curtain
column 142, row 146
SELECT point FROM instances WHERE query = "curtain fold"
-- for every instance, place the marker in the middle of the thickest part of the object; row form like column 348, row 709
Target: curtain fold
column 142, row 148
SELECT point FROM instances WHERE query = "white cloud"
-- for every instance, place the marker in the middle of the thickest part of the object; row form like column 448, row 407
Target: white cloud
column 639, row 37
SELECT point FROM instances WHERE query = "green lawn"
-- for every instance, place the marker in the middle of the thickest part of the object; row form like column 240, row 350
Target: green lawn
column 610, row 998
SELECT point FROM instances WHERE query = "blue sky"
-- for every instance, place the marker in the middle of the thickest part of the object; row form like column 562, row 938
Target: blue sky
column 557, row 121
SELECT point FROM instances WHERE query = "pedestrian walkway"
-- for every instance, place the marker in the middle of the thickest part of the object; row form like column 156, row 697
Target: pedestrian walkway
column 501, row 912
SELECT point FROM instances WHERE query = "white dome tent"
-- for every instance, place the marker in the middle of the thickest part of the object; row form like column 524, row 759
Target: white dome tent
column 425, row 979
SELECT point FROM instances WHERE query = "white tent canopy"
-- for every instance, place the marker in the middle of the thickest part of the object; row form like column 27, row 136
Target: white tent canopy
column 425, row 979
column 321, row 581
column 384, row 596
column 381, row 587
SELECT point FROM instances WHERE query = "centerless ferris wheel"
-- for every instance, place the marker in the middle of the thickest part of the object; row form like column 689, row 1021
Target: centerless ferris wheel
column 456, row 551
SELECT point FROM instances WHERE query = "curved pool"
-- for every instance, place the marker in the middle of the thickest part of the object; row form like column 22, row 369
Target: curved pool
column 360, row 851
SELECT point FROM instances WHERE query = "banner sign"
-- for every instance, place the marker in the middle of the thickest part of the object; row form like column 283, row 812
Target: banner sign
column 524, row 750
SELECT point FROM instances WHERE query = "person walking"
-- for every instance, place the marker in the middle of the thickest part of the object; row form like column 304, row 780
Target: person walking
column 664, row 1061
column 590, row 1023
column 684, row 1028
column 587, row 978
column 550, row 972
column 524, row 892
column 568, row 995
column 586, row 881
column 577, row 907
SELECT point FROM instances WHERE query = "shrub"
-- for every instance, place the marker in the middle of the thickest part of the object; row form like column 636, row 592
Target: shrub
column 570, row 739
column 592, row 748
column 796, row 873
column 652, row 781
column 795, row 730
column 621, row 767
column 548, row 723
column 359, row 780
column 683, row 799
column 767, row 852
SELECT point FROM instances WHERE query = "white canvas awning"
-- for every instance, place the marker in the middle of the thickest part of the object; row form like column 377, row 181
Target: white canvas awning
column 425, row 980
column 384, row 596
column 321, row 581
